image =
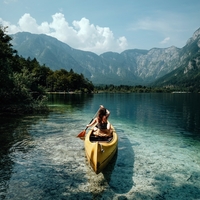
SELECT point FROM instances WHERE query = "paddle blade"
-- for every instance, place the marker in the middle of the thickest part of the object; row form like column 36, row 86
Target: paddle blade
column 82, row 138
column 81, row 134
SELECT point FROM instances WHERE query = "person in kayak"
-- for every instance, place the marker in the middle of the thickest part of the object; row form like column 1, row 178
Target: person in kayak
column 103, row 126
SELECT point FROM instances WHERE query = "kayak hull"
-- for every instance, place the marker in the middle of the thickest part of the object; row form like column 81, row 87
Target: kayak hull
column 99, row 151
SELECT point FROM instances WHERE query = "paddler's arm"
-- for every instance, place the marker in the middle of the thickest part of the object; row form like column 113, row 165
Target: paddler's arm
column 107, row 113
column 92, row 123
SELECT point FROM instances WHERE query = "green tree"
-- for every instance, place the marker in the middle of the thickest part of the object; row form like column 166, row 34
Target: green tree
column 7, row 62
column 18, row 82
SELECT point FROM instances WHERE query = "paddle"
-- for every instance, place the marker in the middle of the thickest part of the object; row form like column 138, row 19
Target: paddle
column 82, row 134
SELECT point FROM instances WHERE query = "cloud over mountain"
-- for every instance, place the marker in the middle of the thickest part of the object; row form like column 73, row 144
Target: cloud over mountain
column 80, row 34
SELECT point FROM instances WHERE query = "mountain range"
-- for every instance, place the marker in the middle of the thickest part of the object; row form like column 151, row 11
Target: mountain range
column 157, row 66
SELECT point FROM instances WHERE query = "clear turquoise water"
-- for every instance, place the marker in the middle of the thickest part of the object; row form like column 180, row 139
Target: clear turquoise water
column 158, row 153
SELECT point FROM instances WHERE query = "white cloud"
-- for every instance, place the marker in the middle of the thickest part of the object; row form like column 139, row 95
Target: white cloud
column 60, row 29
column 165, row 40
column 81, row 34
column 28, row 23
column 122, row 42
column 11, row 28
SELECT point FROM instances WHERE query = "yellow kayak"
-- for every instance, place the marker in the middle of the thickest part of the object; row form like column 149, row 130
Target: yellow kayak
column 100, row 150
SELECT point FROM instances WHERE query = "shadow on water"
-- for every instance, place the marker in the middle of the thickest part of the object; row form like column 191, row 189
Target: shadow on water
column 117, row 177
column 8, row 125
column 14, row 137
column 166, row 187
column 119, row 173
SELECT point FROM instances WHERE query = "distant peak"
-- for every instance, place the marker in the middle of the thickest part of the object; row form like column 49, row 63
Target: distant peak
column 196, row 34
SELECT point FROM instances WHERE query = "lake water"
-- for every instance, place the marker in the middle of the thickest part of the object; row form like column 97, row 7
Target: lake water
column 158, row 153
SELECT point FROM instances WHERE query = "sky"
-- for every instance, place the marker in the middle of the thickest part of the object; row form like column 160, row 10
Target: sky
column 105, row 25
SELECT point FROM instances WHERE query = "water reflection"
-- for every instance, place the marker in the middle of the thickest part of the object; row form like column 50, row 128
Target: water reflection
column 69, row 99
column 167, row 110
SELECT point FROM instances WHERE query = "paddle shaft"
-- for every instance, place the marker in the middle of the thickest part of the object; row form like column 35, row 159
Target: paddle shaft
column 92, row 118
column 82, row 134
